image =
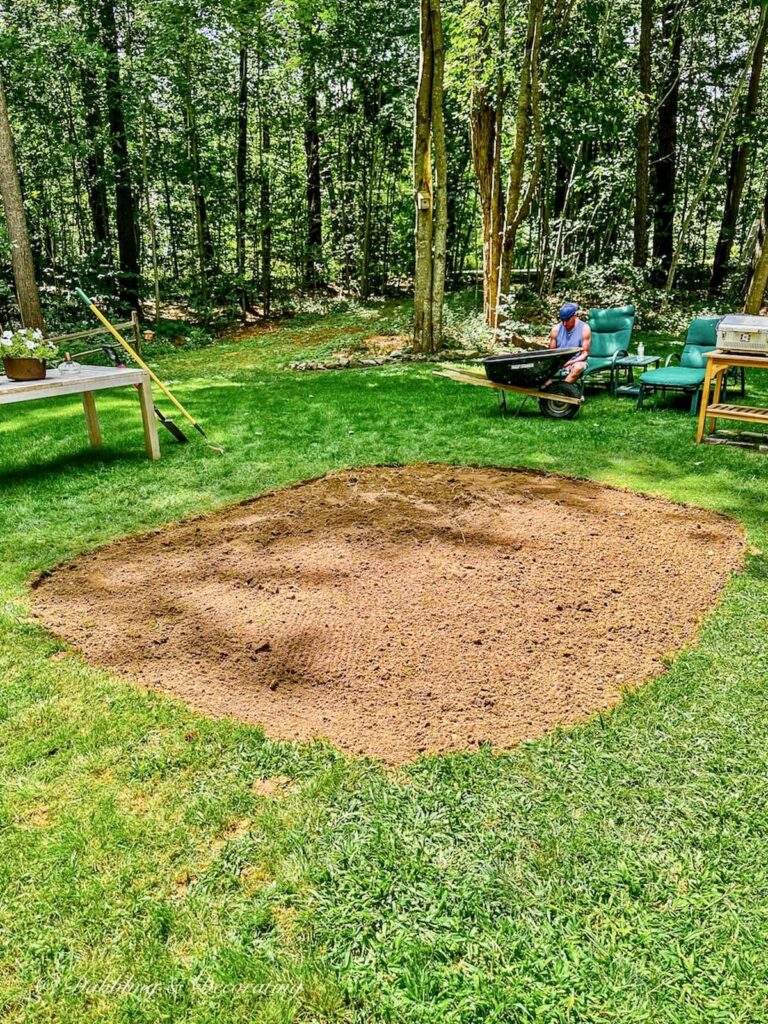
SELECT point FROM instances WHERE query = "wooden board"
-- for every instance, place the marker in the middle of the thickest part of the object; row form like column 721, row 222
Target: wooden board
column 90, row 378
column 478, row 377
column 749, row 413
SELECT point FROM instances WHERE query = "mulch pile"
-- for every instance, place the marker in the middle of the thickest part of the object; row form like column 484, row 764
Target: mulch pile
column 400, row 610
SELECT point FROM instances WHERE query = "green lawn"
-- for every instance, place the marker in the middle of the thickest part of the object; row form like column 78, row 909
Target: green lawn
column 616, row 872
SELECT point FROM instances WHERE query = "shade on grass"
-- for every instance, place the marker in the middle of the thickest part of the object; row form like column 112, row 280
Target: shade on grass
column 616, row 872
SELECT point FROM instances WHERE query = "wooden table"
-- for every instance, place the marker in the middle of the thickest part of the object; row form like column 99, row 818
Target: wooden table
column 718, row 364
column 85, row 383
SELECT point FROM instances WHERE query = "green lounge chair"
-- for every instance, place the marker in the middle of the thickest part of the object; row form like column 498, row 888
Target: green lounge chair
column 611, row 334
column 688, row 377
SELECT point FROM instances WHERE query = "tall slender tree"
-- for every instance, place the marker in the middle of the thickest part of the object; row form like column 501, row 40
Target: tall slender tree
column 738, row 164
column 16, row 221
column 430, row 189
column 313, row 188
column 726, row 119
column 664, row 168
column 517, row 201
column 95, row 169
column 642, row 160
column 125, row 205
column 486, row 119
column 758, row 279
column 241, row 171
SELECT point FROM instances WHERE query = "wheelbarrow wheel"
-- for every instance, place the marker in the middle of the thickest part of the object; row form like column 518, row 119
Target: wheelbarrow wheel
column 560, row 410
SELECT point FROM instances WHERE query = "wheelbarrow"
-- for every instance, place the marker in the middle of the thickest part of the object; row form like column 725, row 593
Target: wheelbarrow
column 527, row 373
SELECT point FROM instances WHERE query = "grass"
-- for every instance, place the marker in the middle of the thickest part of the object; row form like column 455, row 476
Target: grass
column 616, row 872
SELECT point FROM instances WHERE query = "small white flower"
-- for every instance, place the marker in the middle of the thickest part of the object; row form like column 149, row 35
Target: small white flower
column 31, row 346
column 37, row 334
column 7, row 335
column 6, row 341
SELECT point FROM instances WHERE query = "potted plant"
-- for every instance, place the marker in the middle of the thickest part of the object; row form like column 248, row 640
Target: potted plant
column 25, row 353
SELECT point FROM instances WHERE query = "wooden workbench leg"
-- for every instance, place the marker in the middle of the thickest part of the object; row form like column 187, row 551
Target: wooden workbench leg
column 92, row 419
column 151, row 441
column 719, row 378
column 704, row 401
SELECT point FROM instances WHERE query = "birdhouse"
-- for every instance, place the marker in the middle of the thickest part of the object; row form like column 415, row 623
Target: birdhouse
column 423, row 200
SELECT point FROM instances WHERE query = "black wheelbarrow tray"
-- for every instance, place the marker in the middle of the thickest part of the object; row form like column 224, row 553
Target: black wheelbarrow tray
column 527, row 373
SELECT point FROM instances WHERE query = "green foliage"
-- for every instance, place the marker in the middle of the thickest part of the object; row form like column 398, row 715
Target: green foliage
column 619, row 283
column 27, row 343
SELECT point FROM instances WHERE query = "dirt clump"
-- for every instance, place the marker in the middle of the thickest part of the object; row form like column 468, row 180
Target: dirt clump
column 395, row 611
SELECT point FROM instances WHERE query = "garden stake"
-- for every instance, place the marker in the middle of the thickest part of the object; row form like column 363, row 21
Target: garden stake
column 137, row 359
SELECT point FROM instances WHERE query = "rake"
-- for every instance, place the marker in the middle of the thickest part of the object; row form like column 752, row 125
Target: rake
column 140, row 362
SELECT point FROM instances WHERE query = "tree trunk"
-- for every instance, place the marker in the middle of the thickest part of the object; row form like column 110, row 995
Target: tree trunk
column 151, row 219
column 241, row 176
column 125, row 208
column 441, row 177
column 517, row 205
column 422, row 187
column 561, row 223
column 265, row 219
column 758, row 281
column 16, row 222
column 168, row 209
column 94, row 162
column 737, row 170
column 314, row 249
column 431, row 203
column 482, row 119
column 725, row 122
column 202, row 232
column 369, row 188
column 486, row 125
column 643, row 137
column 665, row 163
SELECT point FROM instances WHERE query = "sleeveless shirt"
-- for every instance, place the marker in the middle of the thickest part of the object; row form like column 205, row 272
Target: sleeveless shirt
column 572, row 338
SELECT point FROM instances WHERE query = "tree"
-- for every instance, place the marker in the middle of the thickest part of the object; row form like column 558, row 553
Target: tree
column 758, row 280
column 739, row 162
column 726, row 120
column 313, row 186
column 517, row 203
column 666, row 155
column 16, row 221
column 643, row 136
column 486, row 118
column 241, row 171
column 125, row 206
column 430, row 196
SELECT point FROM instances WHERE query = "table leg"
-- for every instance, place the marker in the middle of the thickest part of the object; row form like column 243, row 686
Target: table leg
column 704, row 401
column 151, row 441
column 92, row 419
column 719, row 378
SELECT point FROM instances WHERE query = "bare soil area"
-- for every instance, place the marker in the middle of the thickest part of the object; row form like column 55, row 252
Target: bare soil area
column 401, row 610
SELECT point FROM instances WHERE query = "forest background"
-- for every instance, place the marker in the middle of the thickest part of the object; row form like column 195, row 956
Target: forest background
column 230, row 159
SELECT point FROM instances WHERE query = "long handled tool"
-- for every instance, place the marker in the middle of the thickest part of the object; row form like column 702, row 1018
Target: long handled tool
column 173, row 428
column 111, row 353
column 140, row 362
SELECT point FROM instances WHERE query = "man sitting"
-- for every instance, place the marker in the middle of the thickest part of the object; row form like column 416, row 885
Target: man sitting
column 572, row 333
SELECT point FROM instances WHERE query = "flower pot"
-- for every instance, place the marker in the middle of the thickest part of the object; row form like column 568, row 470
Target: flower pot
column 24, row 369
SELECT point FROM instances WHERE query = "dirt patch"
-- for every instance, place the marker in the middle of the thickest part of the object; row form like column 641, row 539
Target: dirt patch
column 393, row 611
column 275, row 786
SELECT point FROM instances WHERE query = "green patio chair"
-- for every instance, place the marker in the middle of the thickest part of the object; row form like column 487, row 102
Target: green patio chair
column 611, row 334
column 688, row 377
